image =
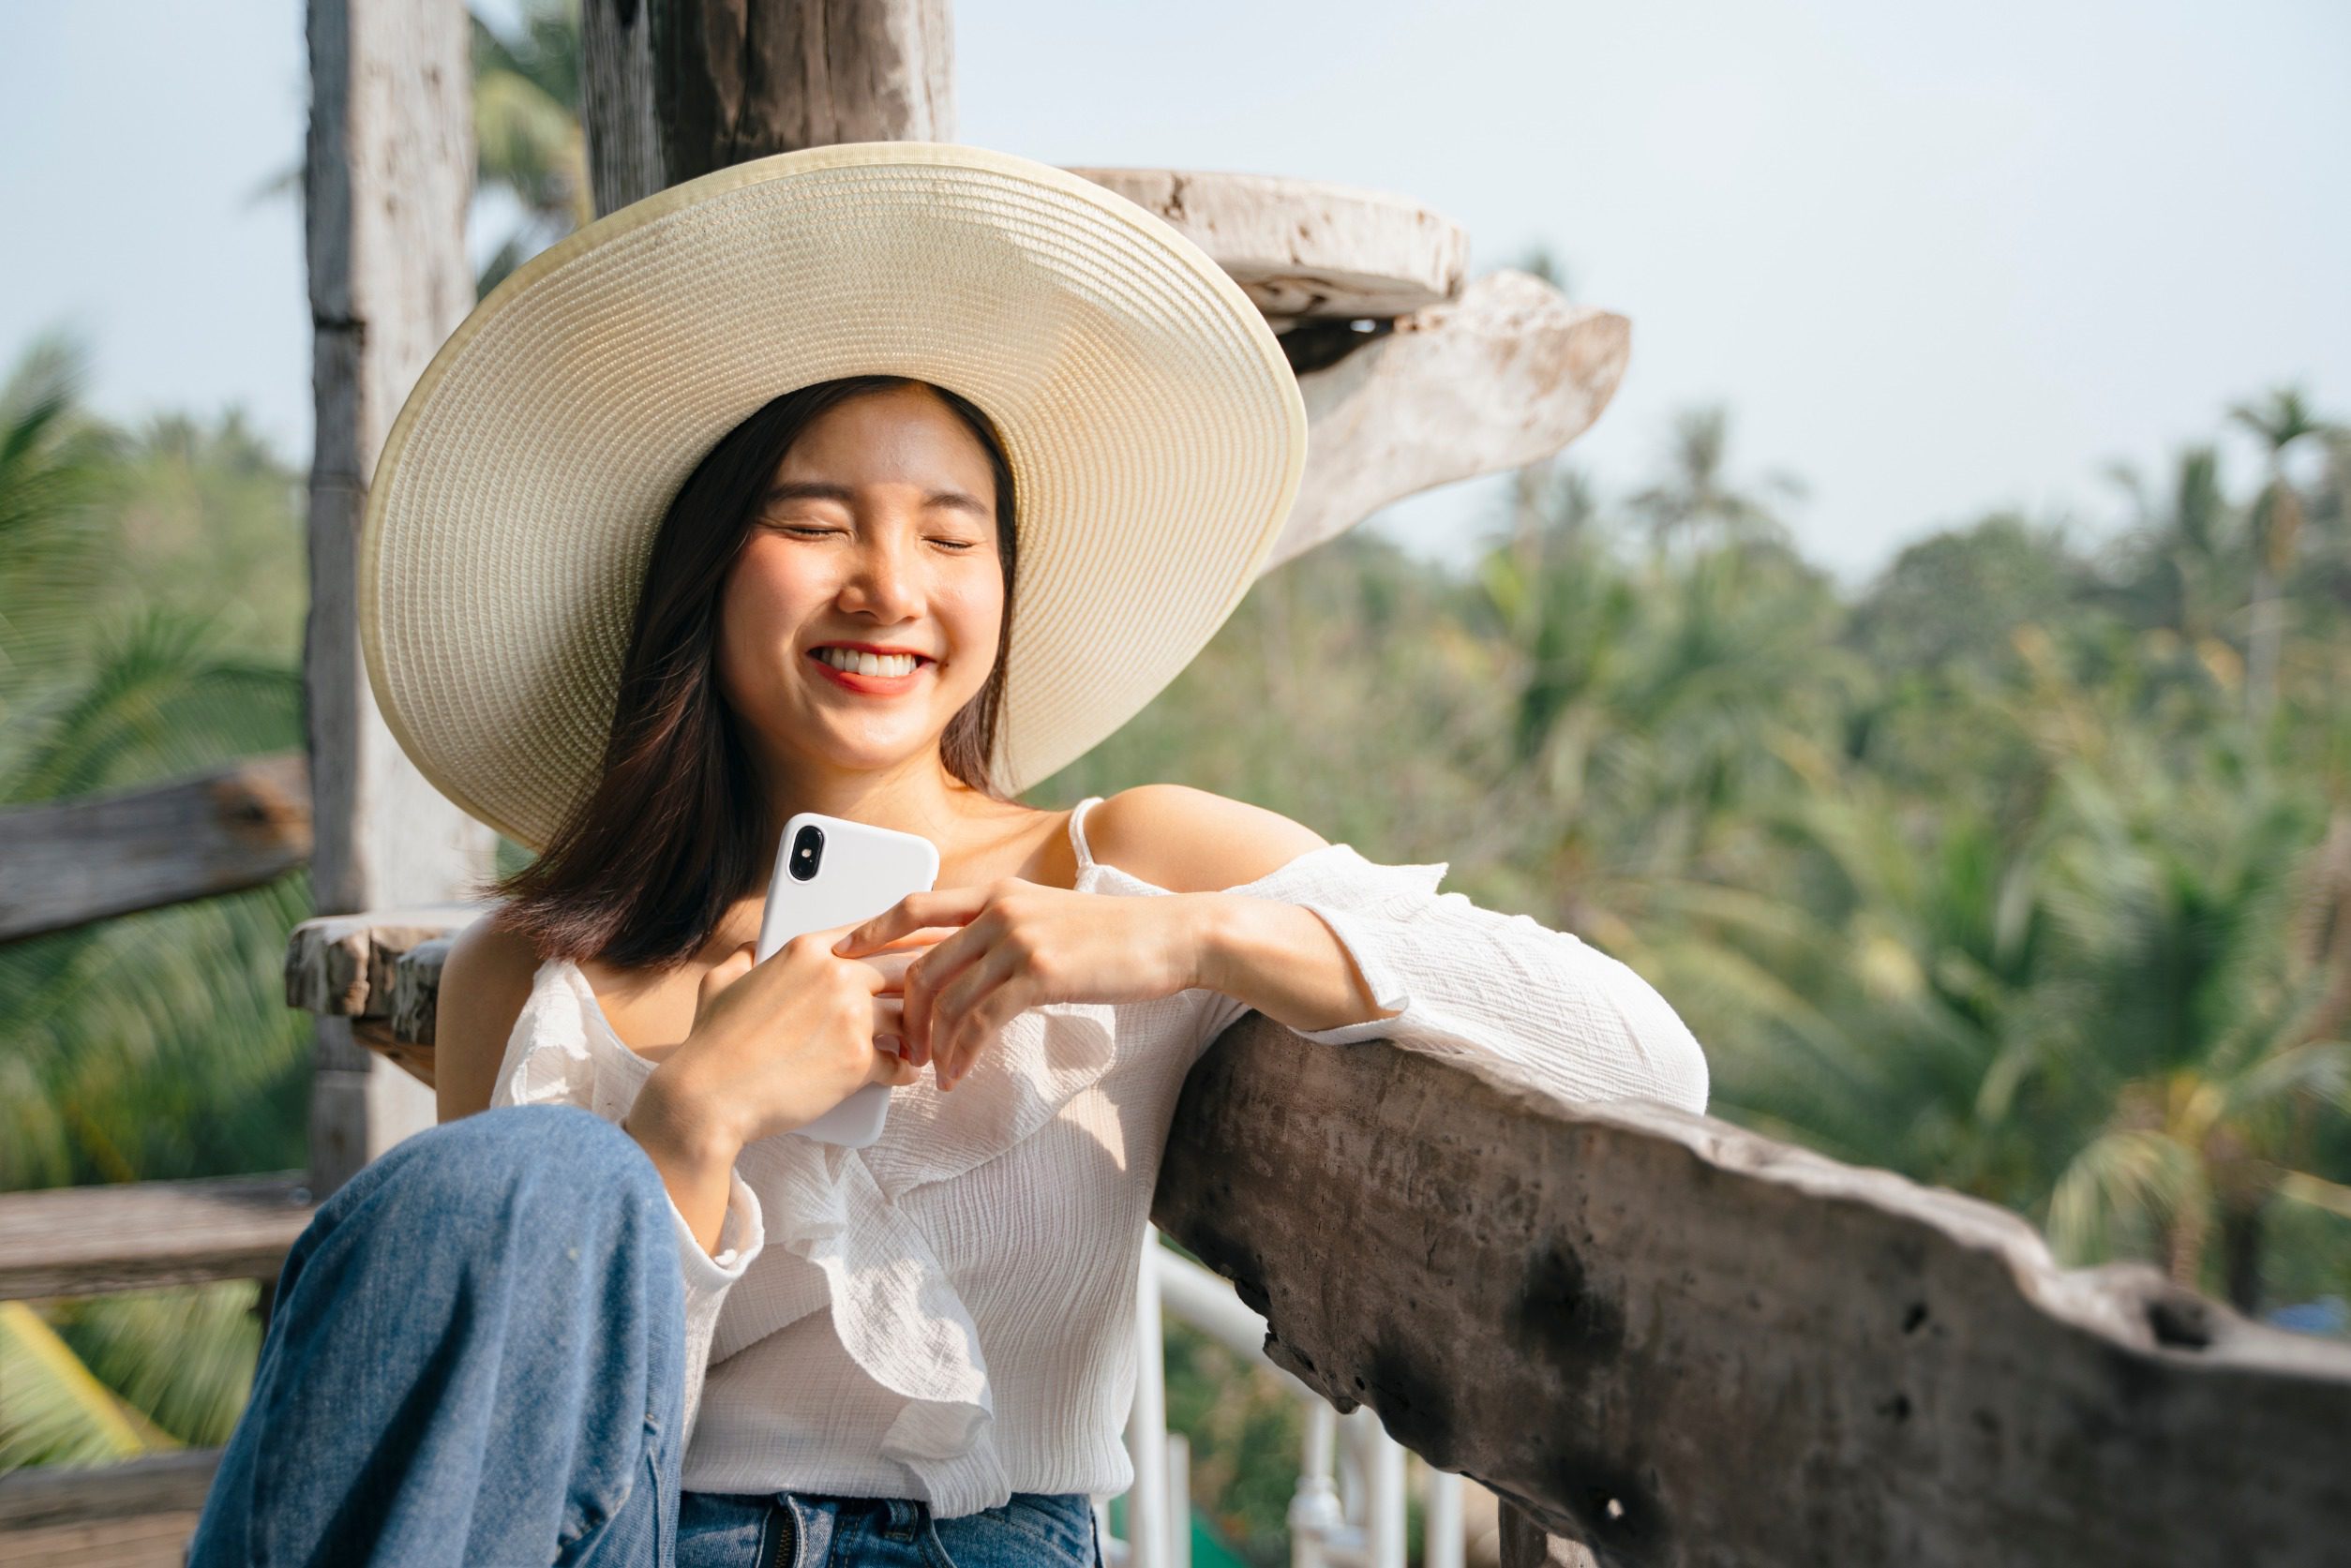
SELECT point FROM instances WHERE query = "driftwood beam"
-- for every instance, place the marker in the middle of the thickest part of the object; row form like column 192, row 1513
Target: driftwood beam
column 1678, row 1342
column 217, row 831
column 1506, row 375
column 1303, row 248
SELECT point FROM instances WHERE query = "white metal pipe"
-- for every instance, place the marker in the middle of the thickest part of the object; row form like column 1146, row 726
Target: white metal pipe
column 1314, row 1512
column 1114, row 1549
column 1207, row 1303
column 1146, row 1420
column 1442, row 1544
column 1178, row 1499
column 1384, row 1496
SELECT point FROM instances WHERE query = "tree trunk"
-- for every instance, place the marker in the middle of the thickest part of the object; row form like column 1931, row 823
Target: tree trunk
column 672, row 89
column 388, row 174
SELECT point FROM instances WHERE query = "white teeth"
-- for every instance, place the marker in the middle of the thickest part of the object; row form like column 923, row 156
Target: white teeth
column 867, row 663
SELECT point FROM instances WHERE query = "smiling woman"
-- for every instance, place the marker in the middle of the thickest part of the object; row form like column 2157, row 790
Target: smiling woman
column 838, row 507
column 640, row 620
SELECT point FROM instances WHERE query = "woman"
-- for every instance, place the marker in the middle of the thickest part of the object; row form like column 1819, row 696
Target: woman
column 882, row 599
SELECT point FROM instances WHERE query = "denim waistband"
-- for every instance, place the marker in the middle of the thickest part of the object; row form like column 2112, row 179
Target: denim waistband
column 806, row 1529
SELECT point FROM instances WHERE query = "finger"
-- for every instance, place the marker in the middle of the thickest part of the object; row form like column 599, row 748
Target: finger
column 968, row 1011
column 889, row 1018
column 888, row 1068
column 932, row 970
column 985, row 1026
column 893, row 962
column 949, row 907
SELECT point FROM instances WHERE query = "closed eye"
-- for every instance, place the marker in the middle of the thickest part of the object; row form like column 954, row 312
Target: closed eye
column 809, row 531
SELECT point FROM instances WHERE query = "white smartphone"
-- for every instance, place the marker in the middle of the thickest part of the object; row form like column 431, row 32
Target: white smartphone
column 833, row 872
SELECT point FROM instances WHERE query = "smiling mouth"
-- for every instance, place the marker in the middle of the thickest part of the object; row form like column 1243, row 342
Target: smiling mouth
column 859, row 671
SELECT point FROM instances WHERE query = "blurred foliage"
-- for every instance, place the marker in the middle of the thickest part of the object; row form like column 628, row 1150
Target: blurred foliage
column 151, row 599
column 529, row 147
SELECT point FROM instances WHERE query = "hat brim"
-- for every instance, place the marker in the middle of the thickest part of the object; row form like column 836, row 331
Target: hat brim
column 1154, row 428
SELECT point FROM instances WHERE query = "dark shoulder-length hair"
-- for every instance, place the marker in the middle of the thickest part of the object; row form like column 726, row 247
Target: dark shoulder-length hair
column 677, row 829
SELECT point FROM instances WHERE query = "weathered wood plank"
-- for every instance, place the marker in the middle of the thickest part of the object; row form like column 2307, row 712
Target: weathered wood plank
column 1509, row 373
column 416, row 991
column 81, row 1241
column 148, row 1541
column 158, row 1483
column 1678, row 1342
column 217, row 831
column 342, row 965
column 1305, row 248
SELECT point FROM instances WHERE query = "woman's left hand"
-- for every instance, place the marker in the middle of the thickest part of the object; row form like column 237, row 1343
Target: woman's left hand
column 1021, row 945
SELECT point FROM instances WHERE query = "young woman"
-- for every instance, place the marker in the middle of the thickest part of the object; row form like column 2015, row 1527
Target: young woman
column 612, row 1310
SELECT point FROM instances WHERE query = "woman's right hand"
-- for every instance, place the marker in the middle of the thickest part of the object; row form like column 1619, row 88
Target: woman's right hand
column 777, row 1044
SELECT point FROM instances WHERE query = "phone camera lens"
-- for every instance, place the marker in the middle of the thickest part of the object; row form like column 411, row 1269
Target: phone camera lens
column 808, row 850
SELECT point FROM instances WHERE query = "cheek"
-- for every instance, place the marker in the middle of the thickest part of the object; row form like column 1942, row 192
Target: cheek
column 761, row 606
column 971, row 606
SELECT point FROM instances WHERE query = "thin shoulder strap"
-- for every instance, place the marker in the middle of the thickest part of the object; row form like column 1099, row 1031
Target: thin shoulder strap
column 1077, row 833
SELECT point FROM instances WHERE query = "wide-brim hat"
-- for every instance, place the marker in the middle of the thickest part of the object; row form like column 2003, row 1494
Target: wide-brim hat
column 1154, row 428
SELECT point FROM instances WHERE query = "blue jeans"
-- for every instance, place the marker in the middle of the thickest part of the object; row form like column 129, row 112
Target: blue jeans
column 476, row 1356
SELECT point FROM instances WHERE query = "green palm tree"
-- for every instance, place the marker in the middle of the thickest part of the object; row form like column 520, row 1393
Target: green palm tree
column 529, row 142
column 2282, row 421
column 2214, row 1053
column 1902, row 1016
column 2182, row 567
column 1697, row 497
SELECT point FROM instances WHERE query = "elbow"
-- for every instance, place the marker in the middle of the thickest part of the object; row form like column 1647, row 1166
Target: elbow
column 1665, row 1057
column 1678, row 1065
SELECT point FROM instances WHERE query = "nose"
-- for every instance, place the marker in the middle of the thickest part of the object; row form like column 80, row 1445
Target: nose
column 881, row 581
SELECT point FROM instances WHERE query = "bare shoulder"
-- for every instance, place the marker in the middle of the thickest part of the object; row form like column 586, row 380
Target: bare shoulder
column 484, row 983
column 1190, row 841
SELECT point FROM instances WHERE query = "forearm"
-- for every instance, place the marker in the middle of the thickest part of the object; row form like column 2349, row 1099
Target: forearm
column 1283, row 961
column 695, row 1156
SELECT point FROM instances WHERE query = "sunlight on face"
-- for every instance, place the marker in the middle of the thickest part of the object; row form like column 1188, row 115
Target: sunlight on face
column 879, row 529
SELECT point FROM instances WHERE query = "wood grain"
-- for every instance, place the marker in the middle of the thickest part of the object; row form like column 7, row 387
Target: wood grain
column 80, row 1240
column 1677, row 1342
column 219, row 832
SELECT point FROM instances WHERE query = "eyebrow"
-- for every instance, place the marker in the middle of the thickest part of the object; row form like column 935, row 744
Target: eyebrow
column 809, row 489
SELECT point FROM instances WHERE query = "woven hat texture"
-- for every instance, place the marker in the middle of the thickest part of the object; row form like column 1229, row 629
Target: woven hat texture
column 1154, row 428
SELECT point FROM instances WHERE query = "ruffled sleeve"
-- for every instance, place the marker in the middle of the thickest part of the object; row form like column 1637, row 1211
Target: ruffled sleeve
column 1514, row 1001
column 562, row 1053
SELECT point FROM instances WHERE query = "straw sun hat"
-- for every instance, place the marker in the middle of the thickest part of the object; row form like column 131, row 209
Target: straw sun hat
column 1154, row 428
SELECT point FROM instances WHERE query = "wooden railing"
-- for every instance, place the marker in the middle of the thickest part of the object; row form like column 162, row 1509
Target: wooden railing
column 69, row 864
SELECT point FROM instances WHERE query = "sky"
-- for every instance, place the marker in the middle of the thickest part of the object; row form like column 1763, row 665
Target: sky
column 1935, row 261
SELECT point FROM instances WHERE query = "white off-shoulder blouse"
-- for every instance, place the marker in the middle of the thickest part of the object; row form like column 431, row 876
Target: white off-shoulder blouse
column 948, row 1314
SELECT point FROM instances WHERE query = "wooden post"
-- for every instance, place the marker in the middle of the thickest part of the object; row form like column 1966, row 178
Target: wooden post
column 387, row 178
column 672, row 89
